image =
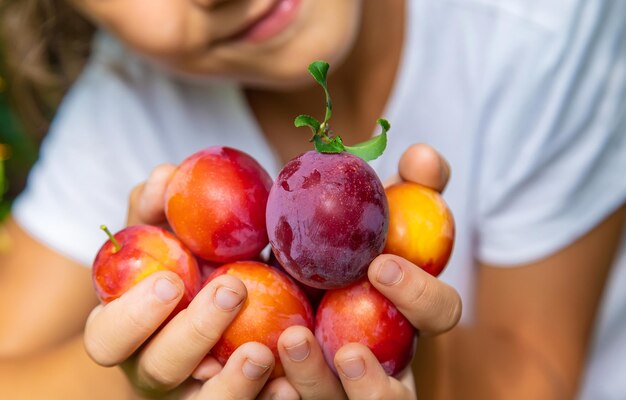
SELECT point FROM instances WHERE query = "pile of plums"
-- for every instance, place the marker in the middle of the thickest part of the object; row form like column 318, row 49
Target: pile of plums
column 325, row 217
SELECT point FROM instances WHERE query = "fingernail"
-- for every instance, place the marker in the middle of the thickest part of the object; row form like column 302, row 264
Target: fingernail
column 389, row 273
column 299, row 352
column 353, row 368
column 165, row 290
column 253, row 370
column 227, row 299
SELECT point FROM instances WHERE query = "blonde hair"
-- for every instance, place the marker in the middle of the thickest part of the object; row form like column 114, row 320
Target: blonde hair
column 45, row 45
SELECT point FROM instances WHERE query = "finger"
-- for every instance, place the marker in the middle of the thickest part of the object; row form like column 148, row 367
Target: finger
column 305, row 366
column 279, row 389
column 363, row 377
column 115, row 331
column 243, row 376
column 146, row 203
column 173, row 354
column 422, row 164
column 207, row 369
column 431, row 305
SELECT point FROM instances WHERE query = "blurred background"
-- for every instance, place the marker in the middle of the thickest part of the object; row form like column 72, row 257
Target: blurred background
column 18, row 149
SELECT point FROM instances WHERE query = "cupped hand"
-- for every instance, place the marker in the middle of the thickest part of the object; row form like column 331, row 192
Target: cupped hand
column 170, row 361
column 431, row 305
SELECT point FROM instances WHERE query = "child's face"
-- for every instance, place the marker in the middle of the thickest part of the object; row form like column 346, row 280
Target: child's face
column 259, row 42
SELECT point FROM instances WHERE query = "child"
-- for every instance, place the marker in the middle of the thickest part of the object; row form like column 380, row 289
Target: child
column 525, row 100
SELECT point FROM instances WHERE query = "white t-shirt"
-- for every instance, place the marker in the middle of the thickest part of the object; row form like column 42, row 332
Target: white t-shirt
column 525, row 98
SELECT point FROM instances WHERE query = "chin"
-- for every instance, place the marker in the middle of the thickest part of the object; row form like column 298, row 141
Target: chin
column 266, row 74
column 280, row 66
column 281, row 72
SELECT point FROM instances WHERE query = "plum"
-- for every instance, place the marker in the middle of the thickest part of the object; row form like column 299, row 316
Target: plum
column 215, row 203
column 313, row 294
column 137, row 251
column 327, row 218
column 360, row 313
column 274, row 303
column 421, row 226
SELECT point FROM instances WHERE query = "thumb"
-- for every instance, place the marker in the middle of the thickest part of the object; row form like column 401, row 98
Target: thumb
column 422, row 164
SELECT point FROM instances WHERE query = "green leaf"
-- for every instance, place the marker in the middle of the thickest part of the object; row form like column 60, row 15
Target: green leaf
column 373, row 148
column 334, row 145
column 307, row 120
column 319, row 71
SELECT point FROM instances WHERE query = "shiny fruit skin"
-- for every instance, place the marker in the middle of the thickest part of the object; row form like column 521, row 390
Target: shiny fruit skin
column 215, row 203
column 313, row 294
column 274, row 303
column 144, row 249
column 327, row 218
column 360, row 314
column 421, row 226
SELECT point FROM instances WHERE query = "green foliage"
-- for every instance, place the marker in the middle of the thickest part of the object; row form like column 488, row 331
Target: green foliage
column 18, row 152
column 373, row 148
column 4, row 205
column 3, row 184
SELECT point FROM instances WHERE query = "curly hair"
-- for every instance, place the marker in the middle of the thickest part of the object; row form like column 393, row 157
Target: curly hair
column 45, row 44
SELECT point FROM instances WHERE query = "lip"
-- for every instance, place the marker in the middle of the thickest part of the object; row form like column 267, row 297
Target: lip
column 270, row 24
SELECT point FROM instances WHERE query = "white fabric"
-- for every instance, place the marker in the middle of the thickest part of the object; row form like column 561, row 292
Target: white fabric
column 526, row 99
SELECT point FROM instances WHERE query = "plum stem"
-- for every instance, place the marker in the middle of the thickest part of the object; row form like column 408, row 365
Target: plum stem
column 116, row 244
column 324, row 139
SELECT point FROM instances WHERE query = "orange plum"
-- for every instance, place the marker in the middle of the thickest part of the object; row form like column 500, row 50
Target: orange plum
column 421, row 226
column 313, row 294
column 215, row 203
column 274, row 303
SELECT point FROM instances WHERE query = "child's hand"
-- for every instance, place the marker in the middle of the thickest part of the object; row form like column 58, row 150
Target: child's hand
column 164, row 365
column 361, row 375
column 429, row 304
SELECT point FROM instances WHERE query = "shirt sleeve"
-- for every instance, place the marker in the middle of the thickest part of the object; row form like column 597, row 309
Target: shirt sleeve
column 85, row 169
column 552, row 161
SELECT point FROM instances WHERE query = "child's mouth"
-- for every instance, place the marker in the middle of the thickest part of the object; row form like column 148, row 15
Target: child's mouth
column 273, row 22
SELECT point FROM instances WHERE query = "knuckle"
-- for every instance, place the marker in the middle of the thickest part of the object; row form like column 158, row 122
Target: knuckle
column 202, row 329
column 101, row 352
column 309, row 384
column 155, row 375
column 418, row 294
column 136, row 322
column 230, row 394
column 227, row 391
column 376, row 394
